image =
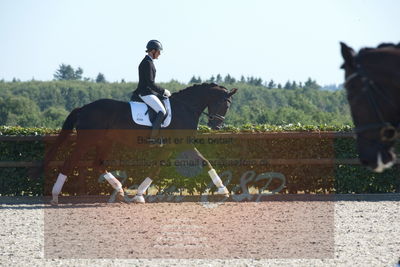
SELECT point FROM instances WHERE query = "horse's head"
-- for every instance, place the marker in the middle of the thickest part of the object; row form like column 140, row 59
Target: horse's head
column 198, row 97
column 218, row 104
column 372, row 86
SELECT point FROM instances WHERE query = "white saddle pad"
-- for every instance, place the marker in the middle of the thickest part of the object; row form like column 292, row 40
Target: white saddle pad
column 139, row 116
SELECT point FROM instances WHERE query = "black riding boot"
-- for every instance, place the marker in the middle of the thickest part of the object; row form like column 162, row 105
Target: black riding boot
column 156, row 129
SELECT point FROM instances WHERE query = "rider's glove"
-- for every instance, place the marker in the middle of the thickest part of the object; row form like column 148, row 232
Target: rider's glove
column 167, row 93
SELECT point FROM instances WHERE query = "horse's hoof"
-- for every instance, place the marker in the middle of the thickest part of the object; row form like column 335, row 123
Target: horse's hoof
column 223, row 191
column 54, row 202
column 139, row 199
column 120, row 197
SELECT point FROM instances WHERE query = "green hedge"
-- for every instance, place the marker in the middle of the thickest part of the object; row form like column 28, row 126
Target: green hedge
column 299, row 178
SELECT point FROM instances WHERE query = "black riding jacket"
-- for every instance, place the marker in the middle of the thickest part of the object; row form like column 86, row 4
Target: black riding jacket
column 147, row 74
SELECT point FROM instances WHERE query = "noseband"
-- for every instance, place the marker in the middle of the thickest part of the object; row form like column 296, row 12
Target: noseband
column 217, row 116
column 388, row 132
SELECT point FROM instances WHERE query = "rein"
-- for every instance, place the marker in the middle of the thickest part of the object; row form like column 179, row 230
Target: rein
column 388, row 131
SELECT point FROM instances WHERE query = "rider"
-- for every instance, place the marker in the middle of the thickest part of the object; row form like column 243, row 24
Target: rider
column 147, row 90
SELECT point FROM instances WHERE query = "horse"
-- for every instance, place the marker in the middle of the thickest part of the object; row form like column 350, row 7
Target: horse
column 372, row 82
column 104, row 122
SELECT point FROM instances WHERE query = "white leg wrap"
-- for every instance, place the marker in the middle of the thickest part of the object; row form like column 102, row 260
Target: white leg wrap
column 58, row 185
column 215, row 178
column 113, row 181
column 144, row 185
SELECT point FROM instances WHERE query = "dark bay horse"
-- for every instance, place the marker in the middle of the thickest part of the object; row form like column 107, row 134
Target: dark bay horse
column 103, row 122
column 373, row 91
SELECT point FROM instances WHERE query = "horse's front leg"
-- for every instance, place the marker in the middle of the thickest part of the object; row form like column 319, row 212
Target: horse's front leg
column 221, row 188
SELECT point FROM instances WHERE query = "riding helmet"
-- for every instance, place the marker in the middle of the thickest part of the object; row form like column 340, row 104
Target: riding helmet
column 154, row 44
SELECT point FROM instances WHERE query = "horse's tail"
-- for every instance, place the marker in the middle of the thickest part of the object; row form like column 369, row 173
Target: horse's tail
column 67, row 128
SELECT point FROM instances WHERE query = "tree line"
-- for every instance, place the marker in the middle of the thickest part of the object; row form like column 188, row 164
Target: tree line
column 46, row 104
column 257, row 81
column 67, row 72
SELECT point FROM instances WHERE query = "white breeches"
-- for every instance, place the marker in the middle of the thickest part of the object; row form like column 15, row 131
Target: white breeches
column 154, row 102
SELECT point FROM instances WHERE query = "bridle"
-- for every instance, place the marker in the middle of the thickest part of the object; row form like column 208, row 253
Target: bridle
column 388, row 132
column 210, row 116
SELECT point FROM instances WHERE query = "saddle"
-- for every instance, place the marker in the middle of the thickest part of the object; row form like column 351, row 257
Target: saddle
column 144, row 115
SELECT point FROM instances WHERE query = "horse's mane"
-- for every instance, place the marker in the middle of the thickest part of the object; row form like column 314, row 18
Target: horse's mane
column 197, row 87
column 382, row 45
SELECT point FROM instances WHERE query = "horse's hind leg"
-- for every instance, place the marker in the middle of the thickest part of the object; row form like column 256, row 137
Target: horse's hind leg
column 66, row 170
column 102, row 151
column 153, row 173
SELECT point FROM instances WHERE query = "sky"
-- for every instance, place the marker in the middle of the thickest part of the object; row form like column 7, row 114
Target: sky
column 280, row 40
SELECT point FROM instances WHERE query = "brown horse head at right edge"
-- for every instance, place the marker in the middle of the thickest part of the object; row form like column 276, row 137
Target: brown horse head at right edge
column 372, row 82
